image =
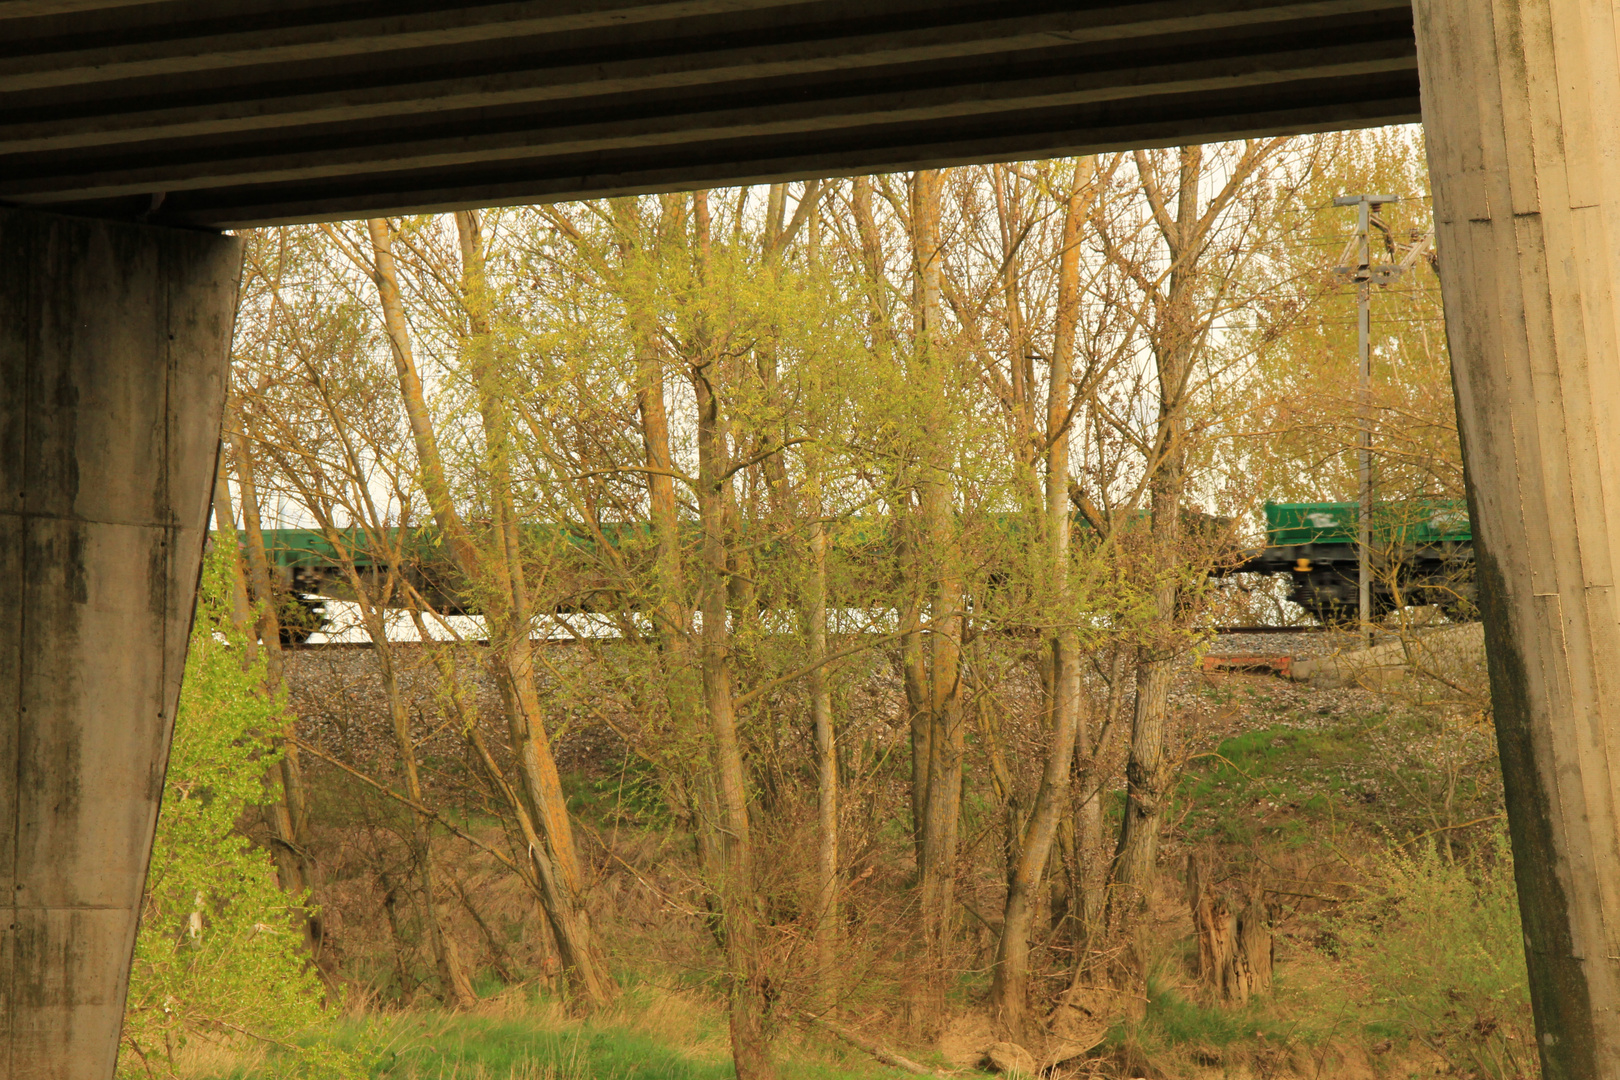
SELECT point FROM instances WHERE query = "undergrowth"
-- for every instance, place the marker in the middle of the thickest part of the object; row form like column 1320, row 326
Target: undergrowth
column 1439, row 944
column 1179, row 1030
column 644, row 1036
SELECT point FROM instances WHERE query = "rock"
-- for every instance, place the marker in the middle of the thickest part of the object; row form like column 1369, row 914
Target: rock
column 1011, row 1059
column 1449, row 653
column 1081, row 1022
column 1087, row 1012
column 1076, row 1024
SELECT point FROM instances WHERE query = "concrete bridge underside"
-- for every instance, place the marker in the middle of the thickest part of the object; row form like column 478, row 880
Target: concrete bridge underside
column 257, row 111
column 131, row 130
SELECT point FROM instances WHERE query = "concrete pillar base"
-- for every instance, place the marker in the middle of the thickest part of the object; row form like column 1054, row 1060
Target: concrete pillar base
column 113, row 347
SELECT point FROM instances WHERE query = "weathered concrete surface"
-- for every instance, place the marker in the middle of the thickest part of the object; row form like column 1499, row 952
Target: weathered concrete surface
column 1520, row 102
column 113, row 346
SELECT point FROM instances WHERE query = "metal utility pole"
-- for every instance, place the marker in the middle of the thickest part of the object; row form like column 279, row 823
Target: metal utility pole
column 1364, row 274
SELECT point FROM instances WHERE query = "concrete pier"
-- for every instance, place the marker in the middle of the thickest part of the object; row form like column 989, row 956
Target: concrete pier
column 113, row 348
column 1520, row 105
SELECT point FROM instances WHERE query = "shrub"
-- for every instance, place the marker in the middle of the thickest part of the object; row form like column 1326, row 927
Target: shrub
column 1439, row 944
column 220, row 956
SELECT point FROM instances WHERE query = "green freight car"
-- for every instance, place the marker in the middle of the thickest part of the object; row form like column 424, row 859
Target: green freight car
column 572, row 561
column 1421, row 552
column 401, row 565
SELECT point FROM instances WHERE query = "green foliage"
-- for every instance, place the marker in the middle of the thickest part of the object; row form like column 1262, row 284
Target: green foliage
column 1439, row 944
column 634, row 795
column 421, row 1047
column 542, row 1046
column 1181, row 1036
column 1173, row 1019
column 219, row 959
column 1304, row 334
column 1399, row 771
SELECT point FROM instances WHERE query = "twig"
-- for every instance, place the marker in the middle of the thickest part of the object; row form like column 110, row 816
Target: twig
column 412, row 803
column 1112, row 990
column 882, row 1053
column 251, row 1034
column 760, row 691
column 1306, row 895
column 982, row 920
column 1448, row 828
column 649, row 886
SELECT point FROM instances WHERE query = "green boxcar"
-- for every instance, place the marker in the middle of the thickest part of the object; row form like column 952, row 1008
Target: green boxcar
column 1421, row 551
column 309, row 549
column 1410, row 521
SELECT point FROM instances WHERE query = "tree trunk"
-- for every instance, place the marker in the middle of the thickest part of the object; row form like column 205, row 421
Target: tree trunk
column 454, row 987
column 1009, row 988
column 1146, row 784
column 402, row 949
column 512, row 620
column 821, row 719
column 914, row 665
column 498, row 953
column 1088, row 819
column 531, row 747
column 829, row 879
column 583, row 971
column 225, row 534
column 908, row 537
column 947, row 732
column 1147, row 771
column 670, row 604
column 1233, row 930
column 288, row 817
column 739, row 902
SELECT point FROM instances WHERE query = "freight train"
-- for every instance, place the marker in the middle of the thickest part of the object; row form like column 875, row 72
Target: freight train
column 1422, row 553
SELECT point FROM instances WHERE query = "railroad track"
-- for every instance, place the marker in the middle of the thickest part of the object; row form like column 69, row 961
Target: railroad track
column 1316, row 629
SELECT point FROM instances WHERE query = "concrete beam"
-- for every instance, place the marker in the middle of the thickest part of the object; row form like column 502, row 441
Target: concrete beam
column 218, row 93
column 783, row 115
column 1520, row 99
column 113, row 346
column 270, row 111
column 1170, row 120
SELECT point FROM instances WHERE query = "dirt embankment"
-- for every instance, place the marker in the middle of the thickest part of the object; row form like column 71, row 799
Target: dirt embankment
column 1283, row 784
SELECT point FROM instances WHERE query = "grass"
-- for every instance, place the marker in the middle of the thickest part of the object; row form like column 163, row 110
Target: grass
column 1178, row 1032
column 1409, row 963
column 647, row 1035
column 422, row 1046
column 1177, row 1020
column 1278, row 784
column 1314, row 781
column 630, row 796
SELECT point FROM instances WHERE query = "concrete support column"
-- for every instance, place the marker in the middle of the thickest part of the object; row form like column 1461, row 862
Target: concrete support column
column 113, row 346
column 1521, row 104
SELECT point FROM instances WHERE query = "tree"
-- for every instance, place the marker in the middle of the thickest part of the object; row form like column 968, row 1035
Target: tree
column 1182, row 294
column 1010, row 985
column 489, row 573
